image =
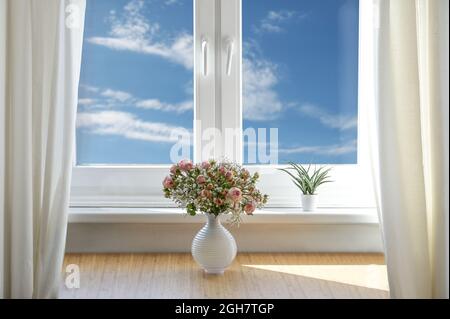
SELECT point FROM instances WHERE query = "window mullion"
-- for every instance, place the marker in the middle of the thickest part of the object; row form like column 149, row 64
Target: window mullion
column 204, row 82
column 218, row 127
column 230, row 79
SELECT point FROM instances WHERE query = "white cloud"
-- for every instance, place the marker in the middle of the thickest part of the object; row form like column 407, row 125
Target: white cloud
column 129, row 126
column 180, row 51
column 341, row 122
column 274, row 21
column 120, row 96
column 335, row 149
column 132, row 24
column 261, row 101
column 171, row 2
column 89, row 88
column 134, row 32
column 269, row 27
column 260, row 77
column 281, row 15
column 87, row 101
column 109, row 98
column 155, row 104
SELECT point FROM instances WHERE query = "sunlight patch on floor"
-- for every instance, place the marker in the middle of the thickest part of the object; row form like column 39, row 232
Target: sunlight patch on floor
column 369, row 276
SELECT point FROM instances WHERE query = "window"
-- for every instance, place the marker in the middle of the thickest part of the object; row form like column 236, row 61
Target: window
column 217, row 73
column 300, row 75
column 135, row 94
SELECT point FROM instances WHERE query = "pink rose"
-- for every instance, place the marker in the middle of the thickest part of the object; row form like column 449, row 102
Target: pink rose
column 205, row 193
column 206, row 165
column 229, row 175
column 201, row 179
column 168, row 182
column 210, row 186
column 222, row 170
column 218, row 201
column 235, row 194
column 173, row 169
column 249, row 208
column 185, row 165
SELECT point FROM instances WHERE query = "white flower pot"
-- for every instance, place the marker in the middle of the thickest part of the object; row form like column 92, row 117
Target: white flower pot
column 309, row 202
column 214, row 248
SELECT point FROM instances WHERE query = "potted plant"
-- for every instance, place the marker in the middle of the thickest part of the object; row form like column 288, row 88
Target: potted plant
column 214, row 189
column 308, row 180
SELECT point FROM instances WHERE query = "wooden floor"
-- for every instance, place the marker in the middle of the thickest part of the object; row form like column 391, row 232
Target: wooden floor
column 250, row 276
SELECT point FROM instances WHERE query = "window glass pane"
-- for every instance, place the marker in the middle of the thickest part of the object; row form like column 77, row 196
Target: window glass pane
column 300, row 75
column 135, row 91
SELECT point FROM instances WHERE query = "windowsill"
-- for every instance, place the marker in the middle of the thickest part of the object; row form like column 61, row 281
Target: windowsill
column 264, row 216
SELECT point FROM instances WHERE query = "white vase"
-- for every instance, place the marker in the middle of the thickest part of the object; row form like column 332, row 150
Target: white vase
column 309, row 202
column 214, row 248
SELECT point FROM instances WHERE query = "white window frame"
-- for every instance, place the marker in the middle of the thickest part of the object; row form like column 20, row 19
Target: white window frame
column 217, row 22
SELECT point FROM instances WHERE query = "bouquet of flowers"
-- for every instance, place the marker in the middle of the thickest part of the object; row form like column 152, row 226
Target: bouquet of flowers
column 214, row 188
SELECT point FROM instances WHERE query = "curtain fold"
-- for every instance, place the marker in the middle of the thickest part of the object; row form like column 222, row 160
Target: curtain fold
column 412, row 141
column 2, row 135
column 43, row 59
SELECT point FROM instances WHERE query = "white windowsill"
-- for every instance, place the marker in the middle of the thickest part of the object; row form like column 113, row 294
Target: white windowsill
column 264, row 216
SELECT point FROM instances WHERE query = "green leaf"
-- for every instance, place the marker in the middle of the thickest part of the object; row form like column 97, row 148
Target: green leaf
column 307, row 179
column 191, row 209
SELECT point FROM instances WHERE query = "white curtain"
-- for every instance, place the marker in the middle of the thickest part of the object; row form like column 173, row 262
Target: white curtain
column 412, row 138
column 40, row 65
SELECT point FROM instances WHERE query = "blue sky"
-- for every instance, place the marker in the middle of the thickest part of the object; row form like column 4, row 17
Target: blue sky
column 299, row 75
